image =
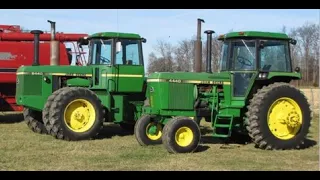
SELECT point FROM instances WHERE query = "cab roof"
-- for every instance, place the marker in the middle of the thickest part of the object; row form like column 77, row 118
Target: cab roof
column 114, row 35
column 254, row 34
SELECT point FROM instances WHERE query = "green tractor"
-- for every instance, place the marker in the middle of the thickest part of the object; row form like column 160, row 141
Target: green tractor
column 73, row 102
column 250, row 95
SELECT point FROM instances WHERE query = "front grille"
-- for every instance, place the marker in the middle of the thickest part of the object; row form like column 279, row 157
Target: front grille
column 29, row 85
column 180, row 96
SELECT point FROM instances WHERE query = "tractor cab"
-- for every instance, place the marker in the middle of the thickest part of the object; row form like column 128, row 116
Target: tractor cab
column 114, row 49
column 117, row 57
column 250, row 56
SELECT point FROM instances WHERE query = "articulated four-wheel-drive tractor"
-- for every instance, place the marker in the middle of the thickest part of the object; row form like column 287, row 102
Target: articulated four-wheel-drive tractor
column 249, row 95
column 73, row 102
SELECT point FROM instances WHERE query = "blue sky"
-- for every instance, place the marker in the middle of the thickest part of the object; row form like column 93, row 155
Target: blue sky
column 171, row 25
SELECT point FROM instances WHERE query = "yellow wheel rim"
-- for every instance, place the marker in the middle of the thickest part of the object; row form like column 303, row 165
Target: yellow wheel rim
column 79, row 115
column 284, row 118
column 184, row 136
column 157, row 135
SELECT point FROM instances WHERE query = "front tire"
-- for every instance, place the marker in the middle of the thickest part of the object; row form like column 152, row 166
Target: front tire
column 75, row 114
column 148, row 132
column 279, row 117
column 181, row 135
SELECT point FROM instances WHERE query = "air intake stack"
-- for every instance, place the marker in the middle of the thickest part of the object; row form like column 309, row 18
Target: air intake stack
column 54, row 46
column 198, row 47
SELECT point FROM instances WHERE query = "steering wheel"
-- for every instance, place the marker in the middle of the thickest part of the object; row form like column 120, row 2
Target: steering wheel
column 105, row 60
column 244, row 61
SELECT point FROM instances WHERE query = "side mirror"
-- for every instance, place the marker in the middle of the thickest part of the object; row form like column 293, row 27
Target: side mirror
column 83, row 41
column 118, row 47
column 261, row 45
column 293, row 41
column 144, row 40
column 297, row 69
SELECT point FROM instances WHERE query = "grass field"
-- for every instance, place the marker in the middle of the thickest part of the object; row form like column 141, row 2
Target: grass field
column 21, row 149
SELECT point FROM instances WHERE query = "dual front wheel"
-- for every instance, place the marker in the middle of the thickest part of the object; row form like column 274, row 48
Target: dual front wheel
column 179, row 135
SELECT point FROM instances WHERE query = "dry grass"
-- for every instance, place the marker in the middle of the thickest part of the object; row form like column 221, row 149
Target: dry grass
column 21, row 149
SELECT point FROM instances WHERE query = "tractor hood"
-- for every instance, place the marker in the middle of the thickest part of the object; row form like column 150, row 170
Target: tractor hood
column 189, row 76
column 56, row 70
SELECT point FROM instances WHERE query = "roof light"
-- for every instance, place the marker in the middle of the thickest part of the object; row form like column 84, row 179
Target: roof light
column 241, row 33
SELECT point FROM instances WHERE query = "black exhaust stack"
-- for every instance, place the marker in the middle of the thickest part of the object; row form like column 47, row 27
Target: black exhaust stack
column 36, row 43
column 198, row 47
column 209, row 50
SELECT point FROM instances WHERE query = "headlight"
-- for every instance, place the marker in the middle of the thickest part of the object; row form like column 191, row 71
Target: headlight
column 263, row 75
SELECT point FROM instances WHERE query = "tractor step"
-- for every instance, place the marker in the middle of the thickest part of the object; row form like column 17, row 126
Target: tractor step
column 222, row 126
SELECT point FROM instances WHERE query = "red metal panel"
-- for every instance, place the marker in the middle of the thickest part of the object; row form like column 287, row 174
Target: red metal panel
column 43, row 37
column 13, row 55
column 10, row 28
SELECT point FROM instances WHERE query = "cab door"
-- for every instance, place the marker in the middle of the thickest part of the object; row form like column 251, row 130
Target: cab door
column 128, row 70
column 243, row 67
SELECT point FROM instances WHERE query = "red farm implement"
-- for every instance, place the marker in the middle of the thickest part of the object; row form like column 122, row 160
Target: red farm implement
column 16, row 49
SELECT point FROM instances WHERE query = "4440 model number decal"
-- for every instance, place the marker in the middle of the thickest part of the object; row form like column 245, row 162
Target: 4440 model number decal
column 189, row 81
column 175, row 80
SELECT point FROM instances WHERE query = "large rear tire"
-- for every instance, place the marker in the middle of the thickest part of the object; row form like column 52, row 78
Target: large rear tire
column 181, row 135
column 279, row 117
column 75, row 114
column 34, row 121
column 46, row 109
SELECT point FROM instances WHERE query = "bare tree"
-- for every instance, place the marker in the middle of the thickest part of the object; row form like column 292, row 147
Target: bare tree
column 185, row 54
column 216, row 53
column 165, row 61
column 306, row 53
column 316, row 56
column 308, row 40
column 154, row 64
